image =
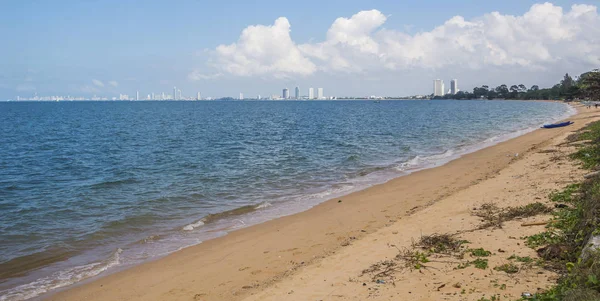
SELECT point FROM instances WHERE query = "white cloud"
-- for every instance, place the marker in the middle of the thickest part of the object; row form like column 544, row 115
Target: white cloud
column 263, row 50
column 97, row 83
column 543, row 37
column 113, row 83
column 197, row 75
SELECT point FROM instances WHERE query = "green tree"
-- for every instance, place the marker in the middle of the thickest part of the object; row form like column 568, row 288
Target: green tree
column 567, row 82
column 502, row 91
column 590, row 84
column 514, row 92
column 478, row 92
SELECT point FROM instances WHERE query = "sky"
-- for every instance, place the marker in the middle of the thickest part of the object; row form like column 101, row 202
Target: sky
column 348, row 47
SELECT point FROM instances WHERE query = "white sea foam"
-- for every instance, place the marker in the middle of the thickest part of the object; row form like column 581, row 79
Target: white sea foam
column 263, row 205
column 60, row 279
column 193, row 226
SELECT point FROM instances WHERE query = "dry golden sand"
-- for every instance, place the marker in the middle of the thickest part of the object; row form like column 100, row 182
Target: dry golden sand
column 319, row 254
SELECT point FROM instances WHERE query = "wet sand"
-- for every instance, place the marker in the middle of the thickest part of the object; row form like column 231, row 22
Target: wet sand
column 315, row 254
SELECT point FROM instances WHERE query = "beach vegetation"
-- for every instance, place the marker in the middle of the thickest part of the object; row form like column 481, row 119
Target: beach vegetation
column 566, row 195
column 480, row 252
column 565, row 244
column 509, row 268
column 526, row 259
column 493, row 216
column 492, row 298
column 480, row 263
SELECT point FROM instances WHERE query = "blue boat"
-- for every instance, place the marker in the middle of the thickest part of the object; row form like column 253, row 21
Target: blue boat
column 557, row 125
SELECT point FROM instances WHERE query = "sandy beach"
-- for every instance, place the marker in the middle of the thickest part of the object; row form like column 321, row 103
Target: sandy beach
column 320, row 254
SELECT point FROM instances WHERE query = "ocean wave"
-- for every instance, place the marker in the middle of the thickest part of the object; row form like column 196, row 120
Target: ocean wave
column 193, row 226
column 109, row 184
column 263, row 205
column 60, row 279
column 225, row 214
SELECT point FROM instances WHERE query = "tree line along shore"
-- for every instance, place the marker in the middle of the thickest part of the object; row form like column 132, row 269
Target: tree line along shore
column 583, row 87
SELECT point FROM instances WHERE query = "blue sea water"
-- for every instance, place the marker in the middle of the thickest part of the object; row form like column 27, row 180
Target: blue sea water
column 91, row 187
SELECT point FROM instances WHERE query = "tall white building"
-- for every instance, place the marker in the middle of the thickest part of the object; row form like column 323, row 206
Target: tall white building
column 454, row 86
column 174, row 93
column 438, row 87
column 311, row 93
column 137, row 95
column 320, row 93
column 297, row 93
column 198, row 96
column 241, row 96
column 286, row 93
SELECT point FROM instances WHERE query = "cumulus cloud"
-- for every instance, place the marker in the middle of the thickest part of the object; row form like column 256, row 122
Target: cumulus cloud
column 263, row 50
column 113, row 83
column 97, row 83
column 544, row 36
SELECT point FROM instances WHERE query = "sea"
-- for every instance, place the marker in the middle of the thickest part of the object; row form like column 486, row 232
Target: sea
column 89, row 188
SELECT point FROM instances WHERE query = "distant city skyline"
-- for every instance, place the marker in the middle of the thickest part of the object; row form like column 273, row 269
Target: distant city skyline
column 349, row 47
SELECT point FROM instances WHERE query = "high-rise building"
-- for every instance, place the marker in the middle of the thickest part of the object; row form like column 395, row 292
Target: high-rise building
column 152, row 98
column 311, row 93
column 320, row 93
column 198, row 96
column 174, row 93
column 438, row 87
column 454, row 86
column 286, row 93
column 179, row 96
column 241, row 96
column 297, row 93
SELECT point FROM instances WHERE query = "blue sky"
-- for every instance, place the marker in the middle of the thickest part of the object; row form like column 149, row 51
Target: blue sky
column 81, row 47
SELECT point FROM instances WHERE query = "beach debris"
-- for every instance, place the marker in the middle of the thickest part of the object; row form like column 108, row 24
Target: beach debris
column 560, row 206
column 493, row 216
column 526, row 295
column 379, row 281
column 534, row 224
column 440, row 243
column 457, row 285
column 441, row 286
column 592, row 174
column 501, row 251
column 339, row 201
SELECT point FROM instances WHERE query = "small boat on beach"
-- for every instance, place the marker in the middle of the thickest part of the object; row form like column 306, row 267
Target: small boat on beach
column 557, row 125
